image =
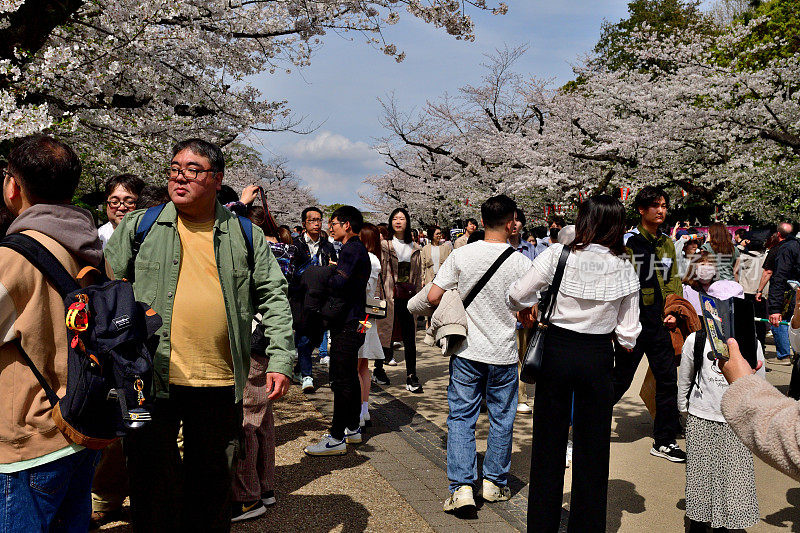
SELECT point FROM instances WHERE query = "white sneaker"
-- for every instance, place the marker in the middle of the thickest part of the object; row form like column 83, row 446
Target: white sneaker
column 391, row 362
column 325, row 360
column 327, row 446
column 461, row 499
column 495, row 493
column 524, row 408
column 308, row 384
column 352, row 436
column 569, row 453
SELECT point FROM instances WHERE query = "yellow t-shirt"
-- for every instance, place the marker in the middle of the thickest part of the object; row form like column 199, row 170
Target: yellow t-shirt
column 201, row 352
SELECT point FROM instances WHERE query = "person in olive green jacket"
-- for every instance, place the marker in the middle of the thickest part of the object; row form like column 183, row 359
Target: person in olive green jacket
column 193, row 269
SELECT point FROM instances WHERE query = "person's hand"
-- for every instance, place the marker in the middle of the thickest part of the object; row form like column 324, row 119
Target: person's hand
column 736, row 366
column 759, row 296
column 249, row 194
column 670, row 321
column 775, row 319
column 527, row 317
column 277, row 385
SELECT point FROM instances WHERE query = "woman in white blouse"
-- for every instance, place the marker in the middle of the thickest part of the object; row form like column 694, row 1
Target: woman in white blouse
column 598, row 301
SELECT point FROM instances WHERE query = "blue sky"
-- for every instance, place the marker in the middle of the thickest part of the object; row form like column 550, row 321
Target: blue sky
column 339, row 92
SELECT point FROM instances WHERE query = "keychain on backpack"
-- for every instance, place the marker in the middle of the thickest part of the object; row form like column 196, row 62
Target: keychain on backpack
column 138, row 384
column 78, row 321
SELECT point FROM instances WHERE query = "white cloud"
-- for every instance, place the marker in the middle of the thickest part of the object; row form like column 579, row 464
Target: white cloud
column 329, row 146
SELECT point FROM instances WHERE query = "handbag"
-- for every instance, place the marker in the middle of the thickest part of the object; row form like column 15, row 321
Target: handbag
column 532, row 364
column 376, row 307
column 402, row 290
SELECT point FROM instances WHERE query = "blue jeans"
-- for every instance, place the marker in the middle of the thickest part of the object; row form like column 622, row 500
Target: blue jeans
column 304, row 351
column 470, row 382
column 323, row 347
column 56, row 496
column 781, row 336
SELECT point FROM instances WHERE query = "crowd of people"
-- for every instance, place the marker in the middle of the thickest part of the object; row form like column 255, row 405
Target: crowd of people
column 244, row 306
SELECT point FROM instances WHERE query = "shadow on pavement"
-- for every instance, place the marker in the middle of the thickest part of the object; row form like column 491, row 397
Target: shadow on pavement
column 633, row 421
column 789, row 516
column 622, row 498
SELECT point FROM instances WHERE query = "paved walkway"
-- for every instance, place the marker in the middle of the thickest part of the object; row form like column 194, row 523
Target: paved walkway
column 396, row 480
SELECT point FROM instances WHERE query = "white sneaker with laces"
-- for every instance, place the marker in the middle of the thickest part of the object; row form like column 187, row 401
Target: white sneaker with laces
column 461, row 499
column 327, row 446
column 524, row 408
column 495, row 493
column 325, row 360
column 308, row 384
column 352, row 436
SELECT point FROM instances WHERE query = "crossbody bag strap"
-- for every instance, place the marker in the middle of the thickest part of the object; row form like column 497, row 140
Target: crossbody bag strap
column 487, row 276
column 559, row 274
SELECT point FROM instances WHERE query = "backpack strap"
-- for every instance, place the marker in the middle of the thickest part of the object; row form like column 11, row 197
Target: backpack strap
column 247, row 230
column 145, row 223
column 487, row 276
column 44, row 260
column 52, row 397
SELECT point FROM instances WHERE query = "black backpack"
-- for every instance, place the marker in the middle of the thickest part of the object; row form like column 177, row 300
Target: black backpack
column 109, row 362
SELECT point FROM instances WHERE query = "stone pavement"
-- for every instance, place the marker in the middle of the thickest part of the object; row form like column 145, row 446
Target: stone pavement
column 396, row 479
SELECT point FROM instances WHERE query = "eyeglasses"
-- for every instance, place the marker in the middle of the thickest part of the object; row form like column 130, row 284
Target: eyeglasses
column 191, row 174
column 115, row 202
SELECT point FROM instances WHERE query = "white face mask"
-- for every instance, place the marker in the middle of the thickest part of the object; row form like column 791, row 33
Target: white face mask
column 705, row 272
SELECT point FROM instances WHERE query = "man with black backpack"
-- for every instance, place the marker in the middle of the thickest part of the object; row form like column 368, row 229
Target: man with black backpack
column 655, row 260
column 207, row 273
column 46, row 477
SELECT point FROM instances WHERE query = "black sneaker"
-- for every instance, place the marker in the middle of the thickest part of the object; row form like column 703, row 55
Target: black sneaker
column 379, row 376
column 670, row 452
column 412, row 384
column 268, row 498
column 247, row 510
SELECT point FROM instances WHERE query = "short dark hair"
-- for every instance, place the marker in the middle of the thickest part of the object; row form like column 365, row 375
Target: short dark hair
column 559, row 220
column 473, row 221
column 407, row 232
column 521, row 216
column 649, row 195
column 477, row 235
column 130, row 182
column 540, row 232
column 226, row 194
column 432, row 230
column 209, row 150
column 741, row 233
column 298, row 229
column 151, row 196
column 48, row 170
column 307, row 210
column 497, row 211
column 348, row 213
column 601, row 220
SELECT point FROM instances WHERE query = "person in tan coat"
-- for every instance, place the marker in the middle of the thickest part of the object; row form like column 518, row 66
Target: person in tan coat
column 46, row 477
column 433, row 254
column 471, row 227
column 401, row 273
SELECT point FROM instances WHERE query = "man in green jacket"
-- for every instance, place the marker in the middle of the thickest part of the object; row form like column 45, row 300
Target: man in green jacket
column 193, row 269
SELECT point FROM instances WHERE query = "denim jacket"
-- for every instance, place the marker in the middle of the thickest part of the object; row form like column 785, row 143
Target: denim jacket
column 262, row 290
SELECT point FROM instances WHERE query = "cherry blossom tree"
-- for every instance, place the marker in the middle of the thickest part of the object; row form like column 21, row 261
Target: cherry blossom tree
column 713, row 115
column 122, row 79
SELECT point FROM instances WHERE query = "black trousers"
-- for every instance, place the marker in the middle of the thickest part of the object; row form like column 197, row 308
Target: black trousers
column 408, row 331
column 655, row 342
column 343, row 372
column 581, row 364
column 761, row 312
column 194, row 494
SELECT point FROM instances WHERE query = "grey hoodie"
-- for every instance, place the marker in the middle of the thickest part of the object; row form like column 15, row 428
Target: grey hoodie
column 72, row 227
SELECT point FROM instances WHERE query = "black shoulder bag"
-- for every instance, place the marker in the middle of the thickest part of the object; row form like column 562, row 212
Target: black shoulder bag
column 532, row 365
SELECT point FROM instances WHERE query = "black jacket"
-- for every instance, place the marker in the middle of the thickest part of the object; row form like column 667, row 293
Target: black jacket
column 326, row 251
column 787, row 266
